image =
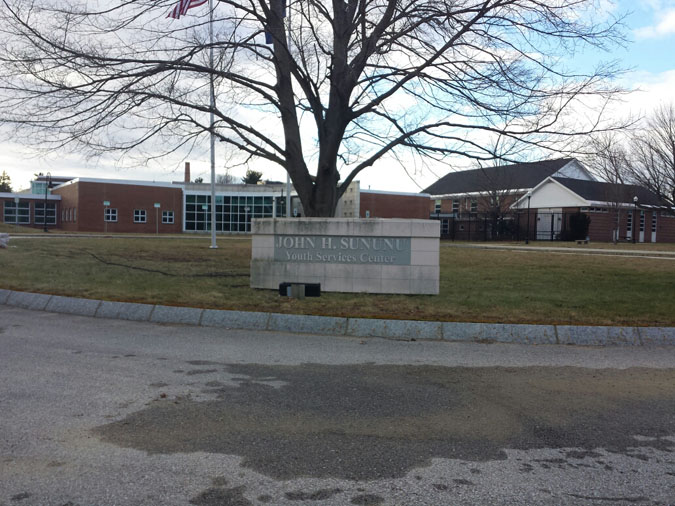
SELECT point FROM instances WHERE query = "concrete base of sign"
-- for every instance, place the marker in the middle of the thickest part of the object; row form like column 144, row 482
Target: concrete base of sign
column 347, row 255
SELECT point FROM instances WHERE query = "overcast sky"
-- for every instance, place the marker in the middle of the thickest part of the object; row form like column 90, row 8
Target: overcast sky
column 650, row 55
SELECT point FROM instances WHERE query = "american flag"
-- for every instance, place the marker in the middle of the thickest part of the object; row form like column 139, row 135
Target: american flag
column 182, row 7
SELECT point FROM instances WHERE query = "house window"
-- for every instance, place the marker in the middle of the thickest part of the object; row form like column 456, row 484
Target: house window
column 642, row 221
column 167, row 217
column 49, row 211
column 110, row 214
column 654, row 222
column 437, row 206
column 18, row 214
column 140, row 216
column 455, row 206
column 74, row 214
column 474, row 206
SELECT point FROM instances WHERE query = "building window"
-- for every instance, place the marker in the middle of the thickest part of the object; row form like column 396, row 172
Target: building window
column 642, row 221
column 629, row 222
column 17, row 214
column 445, row 227
column 474, row 206
column 233, row 212
column 455, row 206
column 654, row 221
column 74, row 214
column 140, row 216
column 437, row 206
column 110, row 214
column 167, row 217
column 49, row 210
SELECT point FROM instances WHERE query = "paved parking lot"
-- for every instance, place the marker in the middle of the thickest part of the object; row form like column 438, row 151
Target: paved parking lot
column 98, row 411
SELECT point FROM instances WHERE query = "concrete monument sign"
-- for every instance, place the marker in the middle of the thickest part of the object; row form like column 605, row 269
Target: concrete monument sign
column 347, row 255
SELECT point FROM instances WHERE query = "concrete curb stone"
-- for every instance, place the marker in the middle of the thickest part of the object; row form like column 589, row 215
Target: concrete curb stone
column 353, row 327
column 657, row 335
column 499, row 332
column 623, row 336
column 133, row 311
column 455, row 331
column 235, row 319
column 27, row 300
column 308, row 324
column 583, row 335
column 109, row 309
column 72, row 305
column 598, row 336
column 173, row 314
column 397, row 329
column 517, row 333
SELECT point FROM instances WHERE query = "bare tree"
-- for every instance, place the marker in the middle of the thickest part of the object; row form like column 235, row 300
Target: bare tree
column 226, row 178
column 344, row 83
column 653, row 155
column 607, row 157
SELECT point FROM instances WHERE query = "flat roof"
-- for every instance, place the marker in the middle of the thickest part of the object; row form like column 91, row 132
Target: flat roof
column 161, row 184
column 29, row 196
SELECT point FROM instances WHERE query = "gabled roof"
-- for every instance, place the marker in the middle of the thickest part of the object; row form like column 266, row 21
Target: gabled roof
column 597, row 191
column 518, row 176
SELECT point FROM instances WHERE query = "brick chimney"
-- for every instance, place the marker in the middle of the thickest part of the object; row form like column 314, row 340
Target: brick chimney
column 187, row 172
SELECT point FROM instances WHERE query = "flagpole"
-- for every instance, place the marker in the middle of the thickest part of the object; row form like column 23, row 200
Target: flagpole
column 213, row 135
column 288, row 174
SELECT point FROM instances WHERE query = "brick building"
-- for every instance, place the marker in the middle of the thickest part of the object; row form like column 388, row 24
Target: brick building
column 616, row 211
column 496, row 188
column 104, row 205
column 30, row 210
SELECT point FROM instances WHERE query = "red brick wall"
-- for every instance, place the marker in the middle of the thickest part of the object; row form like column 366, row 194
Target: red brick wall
column 69, row 203
column 603, row 224
column 387, row 205
column 88, row 198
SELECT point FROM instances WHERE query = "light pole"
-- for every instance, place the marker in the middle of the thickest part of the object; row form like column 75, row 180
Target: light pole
column 157, row 206
column 106, row 204
column 16, row 213
column 44, row 206
column 527, row 232
column 634, row 220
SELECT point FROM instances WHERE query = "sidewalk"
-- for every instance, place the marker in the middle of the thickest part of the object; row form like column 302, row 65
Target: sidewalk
column 410, row 330
column 583, row 250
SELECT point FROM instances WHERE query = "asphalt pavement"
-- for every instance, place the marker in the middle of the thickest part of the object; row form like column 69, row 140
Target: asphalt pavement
column 107, row 411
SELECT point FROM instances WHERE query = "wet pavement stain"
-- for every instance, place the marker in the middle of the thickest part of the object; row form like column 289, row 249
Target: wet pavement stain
column 222, row 497
column 368, row 422
column 319, row 495
column 367, row 499
column 201, row 371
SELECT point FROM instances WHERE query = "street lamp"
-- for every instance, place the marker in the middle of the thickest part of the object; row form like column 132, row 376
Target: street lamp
column 157, row 206
column 527, row 233
column 44, row 206
column 16, row 212
column 635, row 203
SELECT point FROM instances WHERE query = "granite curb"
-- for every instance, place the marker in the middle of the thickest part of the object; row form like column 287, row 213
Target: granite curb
column 412, row 330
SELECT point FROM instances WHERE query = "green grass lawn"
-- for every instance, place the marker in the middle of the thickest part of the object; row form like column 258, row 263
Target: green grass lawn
column 475, row 285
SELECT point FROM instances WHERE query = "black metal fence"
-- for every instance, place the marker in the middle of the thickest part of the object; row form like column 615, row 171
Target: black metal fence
column 541, row 226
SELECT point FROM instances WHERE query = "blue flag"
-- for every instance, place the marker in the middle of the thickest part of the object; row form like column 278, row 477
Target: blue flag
column 268, row 35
